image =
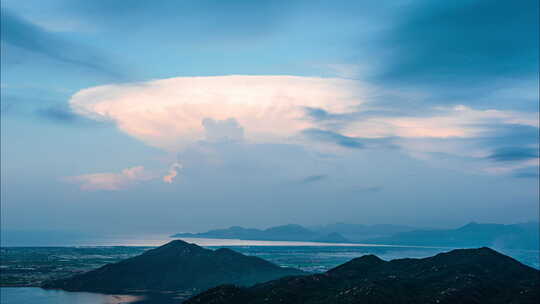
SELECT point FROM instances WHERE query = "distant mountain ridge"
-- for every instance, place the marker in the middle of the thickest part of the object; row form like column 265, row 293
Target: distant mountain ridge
column 516, row 236
column 359, row 233
column 336, row 233
column 456, row 277
column 175, row 266
column 277, row 233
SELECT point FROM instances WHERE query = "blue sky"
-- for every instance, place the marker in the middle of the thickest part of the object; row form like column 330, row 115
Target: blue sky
column 163, row 116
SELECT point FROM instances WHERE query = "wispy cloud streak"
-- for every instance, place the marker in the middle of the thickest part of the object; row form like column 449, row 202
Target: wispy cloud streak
column 111, row 181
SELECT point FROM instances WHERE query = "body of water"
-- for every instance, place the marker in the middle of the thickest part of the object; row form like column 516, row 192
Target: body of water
column 35, row 295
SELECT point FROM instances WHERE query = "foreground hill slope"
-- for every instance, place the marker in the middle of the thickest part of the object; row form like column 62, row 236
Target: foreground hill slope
column 175, row 266
column 460, row 276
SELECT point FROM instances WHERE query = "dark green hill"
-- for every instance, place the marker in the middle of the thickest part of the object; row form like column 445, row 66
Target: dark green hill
column 460, row 276
column 176, row 266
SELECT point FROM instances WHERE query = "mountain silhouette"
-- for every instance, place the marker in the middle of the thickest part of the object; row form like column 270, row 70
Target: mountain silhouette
column 516, row 236
column 175, row 266
column 459, row 276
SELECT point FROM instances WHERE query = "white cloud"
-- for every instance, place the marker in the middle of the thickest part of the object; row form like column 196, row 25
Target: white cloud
column 455, row 122
column 172, row 113
column 175, row 113
column 111, row 181
column 169, row 113
column 223, row 130
column 173, row 172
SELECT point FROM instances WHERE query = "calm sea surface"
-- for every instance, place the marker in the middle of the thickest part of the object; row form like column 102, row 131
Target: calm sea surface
column 34, row 295
column 312, row 257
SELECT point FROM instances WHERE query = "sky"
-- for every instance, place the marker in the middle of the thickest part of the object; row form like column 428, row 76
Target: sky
column 170, row 116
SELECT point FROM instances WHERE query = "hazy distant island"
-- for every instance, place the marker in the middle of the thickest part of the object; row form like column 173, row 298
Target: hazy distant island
column 336, row 233
column 460, row 276
column 515, row 236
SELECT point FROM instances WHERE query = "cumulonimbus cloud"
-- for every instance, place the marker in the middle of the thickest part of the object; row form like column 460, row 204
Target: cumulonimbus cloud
column 110, row 181
column 174, row 113
column 170, row 113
